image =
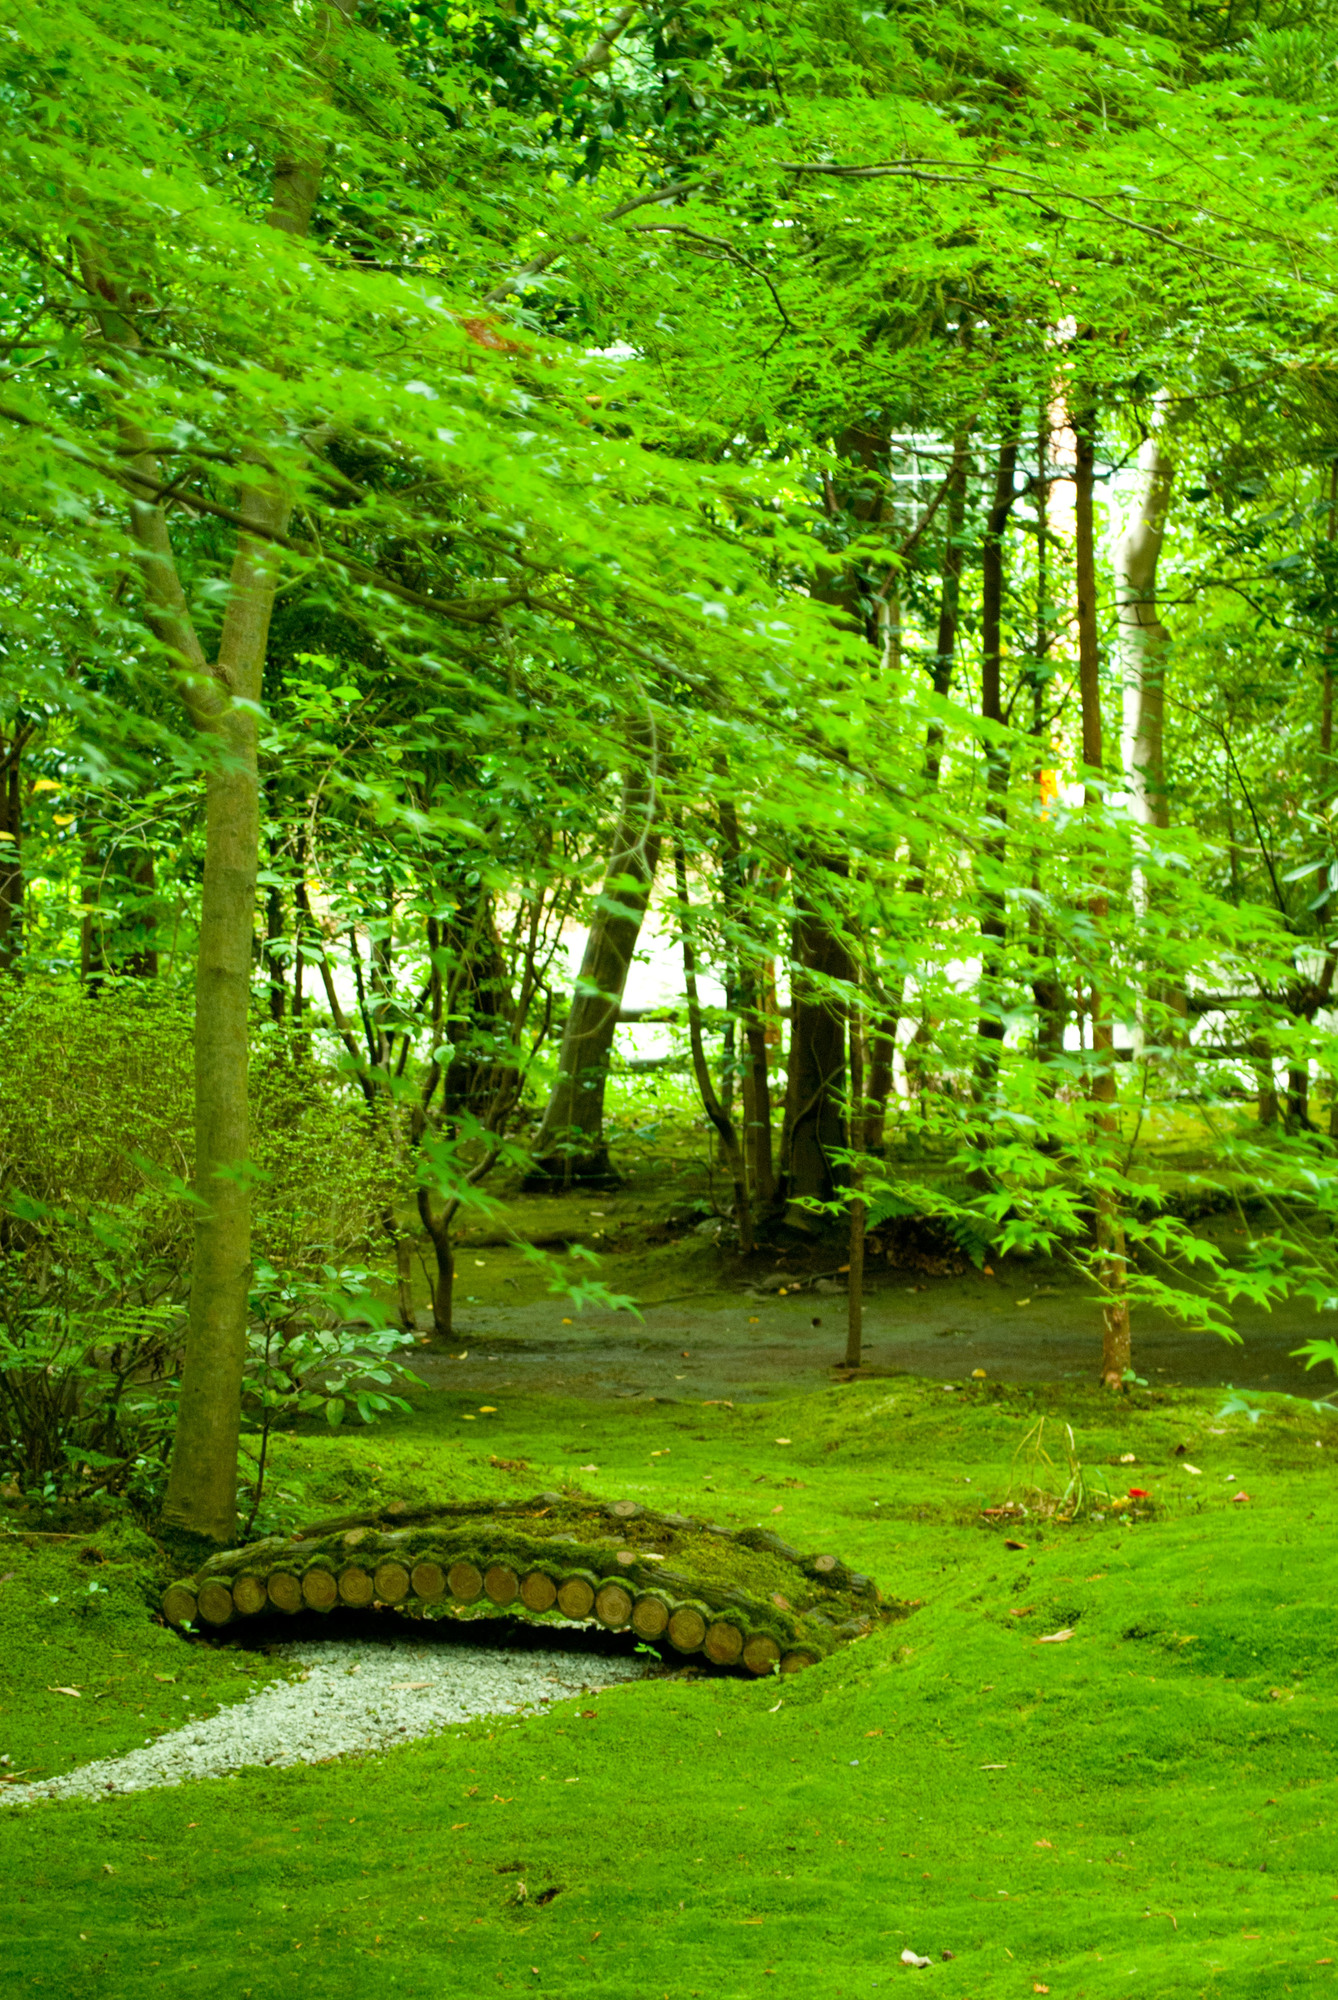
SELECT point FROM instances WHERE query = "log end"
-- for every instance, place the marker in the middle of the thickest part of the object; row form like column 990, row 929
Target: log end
column 179, row 1604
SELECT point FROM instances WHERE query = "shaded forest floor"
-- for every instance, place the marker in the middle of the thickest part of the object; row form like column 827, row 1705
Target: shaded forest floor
column 1140, row 1810
column 714, row 1324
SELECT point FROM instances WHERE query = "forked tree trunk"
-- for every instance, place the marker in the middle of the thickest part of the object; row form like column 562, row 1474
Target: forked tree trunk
column 570, row 1148
column 1111, row 1269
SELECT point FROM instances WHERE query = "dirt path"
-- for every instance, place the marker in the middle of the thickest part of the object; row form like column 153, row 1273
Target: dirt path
column 1021, row 1327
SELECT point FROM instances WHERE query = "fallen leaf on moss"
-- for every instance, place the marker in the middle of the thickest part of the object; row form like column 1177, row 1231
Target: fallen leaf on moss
column 1055, row 1638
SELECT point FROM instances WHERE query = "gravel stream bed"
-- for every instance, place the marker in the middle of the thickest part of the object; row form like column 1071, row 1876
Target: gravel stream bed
column 352, row 1695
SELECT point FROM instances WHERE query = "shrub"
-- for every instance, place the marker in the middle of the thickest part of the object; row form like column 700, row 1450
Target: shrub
column 96, row 1113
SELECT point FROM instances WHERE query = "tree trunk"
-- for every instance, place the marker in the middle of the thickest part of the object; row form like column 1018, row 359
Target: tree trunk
column 711, row 1104
column 1144, row 641
column 570, row 1148
column 1267, row 1088
column 304, row 932
column 11, row 844
column 945, row 655
column 1111, row 1266
column 274, row 936
column 993, row 930
column 752, row 981
column 202, row 1485
column 815, row 1085
column 1143, row 637
column 858, row 1206
column 443, row 1247
column 1298, row 1097
column 274, row 911
column 1047, row 990
column 882, row 1047
column 141, row 960
column 950, row 599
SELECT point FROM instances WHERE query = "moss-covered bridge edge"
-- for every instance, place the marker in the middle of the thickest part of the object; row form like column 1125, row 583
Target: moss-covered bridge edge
column 739, row 1597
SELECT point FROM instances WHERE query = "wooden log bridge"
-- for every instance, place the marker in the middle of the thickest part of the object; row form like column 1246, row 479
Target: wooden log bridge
column 740, row 1598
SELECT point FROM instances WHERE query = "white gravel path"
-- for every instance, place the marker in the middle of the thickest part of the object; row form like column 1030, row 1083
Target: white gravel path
column 352, row 1696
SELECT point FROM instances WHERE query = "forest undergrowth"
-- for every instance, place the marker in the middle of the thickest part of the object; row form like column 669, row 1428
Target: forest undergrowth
column 1141, row 1807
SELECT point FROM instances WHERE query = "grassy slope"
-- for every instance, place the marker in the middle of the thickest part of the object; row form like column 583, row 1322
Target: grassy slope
column 1160, row 1825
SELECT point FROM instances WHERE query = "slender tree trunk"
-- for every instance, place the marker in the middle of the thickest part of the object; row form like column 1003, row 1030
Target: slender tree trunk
column 950, row 600
column 993, row 928
column 881, row 1042
column 1047, row 989
column 273, row 937
column 1298, row 1097
column 945, row 657
column 570, row 1147
column 11, row 844
column 141, row 960
column 1144, row 642
column 858, row 1206
column 202, row 1488
column 1266, row 1098
column 755, row 1078
column 202, row 1485
column 439, row 1232
column 1143, row 637
column 814, row 1129
column 701, row 1069
column 1112, row 1267
column 1326, row 787
column 304, row 932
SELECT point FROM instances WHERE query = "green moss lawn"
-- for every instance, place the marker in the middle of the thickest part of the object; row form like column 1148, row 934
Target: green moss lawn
column 1146, row 1808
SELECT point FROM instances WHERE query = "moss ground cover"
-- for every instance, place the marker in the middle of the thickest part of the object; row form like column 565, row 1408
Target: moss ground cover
column 1142, row 1809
